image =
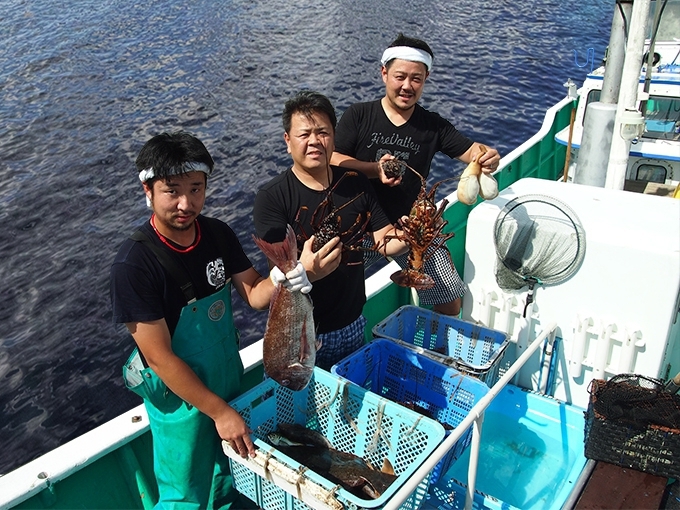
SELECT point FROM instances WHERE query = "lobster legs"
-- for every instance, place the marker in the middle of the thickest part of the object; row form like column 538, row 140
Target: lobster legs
column 422, row 231
column 326, row 222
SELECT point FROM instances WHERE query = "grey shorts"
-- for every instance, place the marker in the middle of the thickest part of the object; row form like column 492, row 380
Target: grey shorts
column 448, row 285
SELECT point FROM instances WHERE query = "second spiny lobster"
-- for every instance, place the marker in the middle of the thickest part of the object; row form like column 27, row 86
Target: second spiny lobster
column 327, row 224
column 422, row 231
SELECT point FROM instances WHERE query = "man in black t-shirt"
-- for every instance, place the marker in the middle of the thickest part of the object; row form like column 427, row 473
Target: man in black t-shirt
column 170, row 285
column 396, row 126
column 308, row 192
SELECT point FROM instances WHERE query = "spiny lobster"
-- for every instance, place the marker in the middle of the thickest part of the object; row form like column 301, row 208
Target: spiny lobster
column 422, row 231
column 328, row 225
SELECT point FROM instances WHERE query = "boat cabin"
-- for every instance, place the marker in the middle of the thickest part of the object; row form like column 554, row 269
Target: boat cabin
column 655, row 155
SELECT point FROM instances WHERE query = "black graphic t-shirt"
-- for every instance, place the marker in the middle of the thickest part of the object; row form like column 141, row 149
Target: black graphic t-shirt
column 339, row 297
column 365, row 133
column 142, row 290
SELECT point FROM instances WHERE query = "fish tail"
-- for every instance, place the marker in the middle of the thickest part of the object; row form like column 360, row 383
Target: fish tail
column 283, row 254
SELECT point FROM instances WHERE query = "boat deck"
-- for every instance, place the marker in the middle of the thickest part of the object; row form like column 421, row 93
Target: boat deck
column 611, row 486
column 652, row 188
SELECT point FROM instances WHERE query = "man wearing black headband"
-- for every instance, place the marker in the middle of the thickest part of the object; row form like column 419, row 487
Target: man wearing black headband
column 396, row 126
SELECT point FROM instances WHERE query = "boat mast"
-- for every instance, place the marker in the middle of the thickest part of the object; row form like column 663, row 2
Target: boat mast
column 611, row 84
column 593, row 155
column 627, row 115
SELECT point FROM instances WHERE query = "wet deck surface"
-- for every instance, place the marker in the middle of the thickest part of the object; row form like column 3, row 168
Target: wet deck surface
column 611, row 487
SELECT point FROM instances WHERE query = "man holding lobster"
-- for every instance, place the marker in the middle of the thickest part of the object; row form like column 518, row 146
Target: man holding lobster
column 333, row 208
column 396, row 126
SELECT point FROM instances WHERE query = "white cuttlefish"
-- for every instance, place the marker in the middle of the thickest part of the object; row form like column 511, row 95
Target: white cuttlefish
column 474, row 182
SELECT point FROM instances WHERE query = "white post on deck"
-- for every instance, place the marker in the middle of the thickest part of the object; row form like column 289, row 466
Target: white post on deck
column 630, row 78
column 593, row 155
column 474, row 460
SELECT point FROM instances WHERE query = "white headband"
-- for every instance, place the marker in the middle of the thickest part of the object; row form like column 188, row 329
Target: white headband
column 407, row 53
column 190, row 166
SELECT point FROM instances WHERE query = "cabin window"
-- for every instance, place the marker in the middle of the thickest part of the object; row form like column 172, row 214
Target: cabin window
column 662, row 118
column 668, row 28
column 651, row 173
column 593, row 96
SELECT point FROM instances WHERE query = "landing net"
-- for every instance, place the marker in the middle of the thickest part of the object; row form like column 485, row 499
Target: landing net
column 538, row 240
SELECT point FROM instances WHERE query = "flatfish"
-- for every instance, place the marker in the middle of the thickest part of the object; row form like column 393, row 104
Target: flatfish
column 313, row 450
column 289, row 347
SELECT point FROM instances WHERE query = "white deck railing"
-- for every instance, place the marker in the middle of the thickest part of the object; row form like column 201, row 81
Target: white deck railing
column 475, row 418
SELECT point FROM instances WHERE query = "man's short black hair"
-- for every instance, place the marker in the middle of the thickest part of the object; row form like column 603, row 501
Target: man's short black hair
column 308, row 102
column 169, row 153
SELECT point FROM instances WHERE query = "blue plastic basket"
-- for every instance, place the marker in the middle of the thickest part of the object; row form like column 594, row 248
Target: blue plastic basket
column 402, row 375
column 353, row 419
column 467, row 347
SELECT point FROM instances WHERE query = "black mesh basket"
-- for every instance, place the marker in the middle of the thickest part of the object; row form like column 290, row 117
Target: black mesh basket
column 632, row 422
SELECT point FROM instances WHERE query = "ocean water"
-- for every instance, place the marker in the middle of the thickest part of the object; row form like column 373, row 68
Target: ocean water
column 84, row 83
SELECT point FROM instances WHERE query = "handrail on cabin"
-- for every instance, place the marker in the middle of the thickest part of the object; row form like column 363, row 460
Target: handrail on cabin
column 475, row 418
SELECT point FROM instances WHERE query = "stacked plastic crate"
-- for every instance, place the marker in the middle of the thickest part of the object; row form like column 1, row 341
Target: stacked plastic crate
column 436, row 364
column 469, row 348
column 413, row 380
column 354, row 421
column 385, row 401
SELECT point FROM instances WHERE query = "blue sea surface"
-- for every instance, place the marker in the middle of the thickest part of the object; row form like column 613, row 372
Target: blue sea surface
column 84, row 83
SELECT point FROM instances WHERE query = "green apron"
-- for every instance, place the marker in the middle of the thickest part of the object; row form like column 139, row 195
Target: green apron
column 191, row 470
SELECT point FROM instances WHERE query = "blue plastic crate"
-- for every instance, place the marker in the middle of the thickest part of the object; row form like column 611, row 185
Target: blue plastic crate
column 467, row 347
column 353, row 419
column 404, row 376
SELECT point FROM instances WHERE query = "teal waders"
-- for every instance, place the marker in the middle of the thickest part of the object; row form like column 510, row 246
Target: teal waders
column 191, row 470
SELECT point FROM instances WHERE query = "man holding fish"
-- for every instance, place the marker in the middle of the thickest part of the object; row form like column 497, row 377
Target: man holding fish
column 314, row 197
column 396, row 126
column 171, row 286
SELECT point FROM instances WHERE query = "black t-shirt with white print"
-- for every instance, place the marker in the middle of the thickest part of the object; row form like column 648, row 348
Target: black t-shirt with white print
column 142, row 290
column 364, row 132
column 340, row 296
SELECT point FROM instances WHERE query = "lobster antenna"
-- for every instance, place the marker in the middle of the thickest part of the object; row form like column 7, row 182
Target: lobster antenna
column 423, row 180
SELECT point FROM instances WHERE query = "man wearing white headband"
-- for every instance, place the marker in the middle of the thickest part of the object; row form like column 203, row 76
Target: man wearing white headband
column 171, row 286
column 396, row 126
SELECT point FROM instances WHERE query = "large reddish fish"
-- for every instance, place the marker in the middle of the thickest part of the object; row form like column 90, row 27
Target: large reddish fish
column 289, row 350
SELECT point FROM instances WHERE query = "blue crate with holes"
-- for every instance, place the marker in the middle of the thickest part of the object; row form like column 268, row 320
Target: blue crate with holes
column 402, row 375
column 353, row 419
column 470, row 348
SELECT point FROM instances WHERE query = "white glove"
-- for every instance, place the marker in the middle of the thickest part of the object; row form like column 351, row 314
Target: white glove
column 294, row 280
